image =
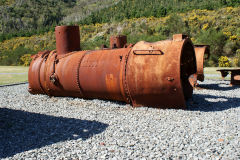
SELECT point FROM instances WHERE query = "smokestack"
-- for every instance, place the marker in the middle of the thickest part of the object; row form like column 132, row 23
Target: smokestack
column 67, row 39
column 118, row 41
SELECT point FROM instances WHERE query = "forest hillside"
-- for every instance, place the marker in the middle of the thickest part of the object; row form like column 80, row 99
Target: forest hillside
column 216, row 23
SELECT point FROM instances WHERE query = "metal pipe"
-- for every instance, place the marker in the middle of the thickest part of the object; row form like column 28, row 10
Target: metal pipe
column 119, row 41
column 67, row 39
column 202, row 53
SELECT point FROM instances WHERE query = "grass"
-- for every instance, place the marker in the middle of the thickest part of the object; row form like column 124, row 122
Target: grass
column 213, row 70
column 17, row 74
column 215, row 74
column 13, row 69
column 13, row 78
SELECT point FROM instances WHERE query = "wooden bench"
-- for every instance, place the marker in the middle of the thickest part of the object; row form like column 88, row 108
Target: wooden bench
column 235, row 75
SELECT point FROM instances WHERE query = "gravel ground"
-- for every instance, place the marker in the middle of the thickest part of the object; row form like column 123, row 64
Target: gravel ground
column 39, row 127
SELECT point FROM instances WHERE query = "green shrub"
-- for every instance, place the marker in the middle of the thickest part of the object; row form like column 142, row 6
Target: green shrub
column 144, row 37
column 12, row 57
column 174, row 25
column 26, row 59
column 236, row 59
column 216, row 40
column 210, row 63
column 223, row 61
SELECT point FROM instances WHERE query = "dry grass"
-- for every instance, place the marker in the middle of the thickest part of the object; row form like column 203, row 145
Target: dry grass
column 13, row 74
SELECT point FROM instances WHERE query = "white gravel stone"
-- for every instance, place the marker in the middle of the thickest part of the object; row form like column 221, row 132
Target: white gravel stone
column 40, row 127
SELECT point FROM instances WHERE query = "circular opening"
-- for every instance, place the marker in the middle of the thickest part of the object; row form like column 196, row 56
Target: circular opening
column 188, row 67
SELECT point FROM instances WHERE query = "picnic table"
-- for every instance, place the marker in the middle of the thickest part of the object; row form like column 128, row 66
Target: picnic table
column 235, row 75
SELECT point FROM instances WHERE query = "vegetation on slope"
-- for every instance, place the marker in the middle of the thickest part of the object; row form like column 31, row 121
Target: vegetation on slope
column 28, row 17
column 128, row 9
column 218, row 28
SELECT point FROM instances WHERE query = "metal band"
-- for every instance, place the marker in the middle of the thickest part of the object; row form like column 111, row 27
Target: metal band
column 126, row 88
column 66, row 55
column 148, row 52
column 44, row 56
column 78, row 70
column 45, row 72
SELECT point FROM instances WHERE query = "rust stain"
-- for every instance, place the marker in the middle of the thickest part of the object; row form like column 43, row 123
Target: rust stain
column 237, row 78
column 111, row 83
column 221, row 140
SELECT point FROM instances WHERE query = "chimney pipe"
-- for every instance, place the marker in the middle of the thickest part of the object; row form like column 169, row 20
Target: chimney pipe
column 67, row 39
column 118, row 41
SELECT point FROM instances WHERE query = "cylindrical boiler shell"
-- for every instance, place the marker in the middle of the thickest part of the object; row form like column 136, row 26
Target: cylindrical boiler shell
column 157, row 73
column 149, row 74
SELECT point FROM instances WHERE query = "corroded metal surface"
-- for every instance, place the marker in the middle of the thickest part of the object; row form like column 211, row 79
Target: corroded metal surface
column 235, row 75
column 119, row 41
column 145, row 74
column 157, row 73
column 202, row 53
column 67, row 39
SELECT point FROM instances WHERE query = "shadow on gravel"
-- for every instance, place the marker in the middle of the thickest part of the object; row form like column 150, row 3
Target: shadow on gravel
column 22, row 131
column 227, row 86
column 209, row 103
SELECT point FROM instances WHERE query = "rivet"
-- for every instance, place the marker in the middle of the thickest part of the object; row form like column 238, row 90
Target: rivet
column 170, row 79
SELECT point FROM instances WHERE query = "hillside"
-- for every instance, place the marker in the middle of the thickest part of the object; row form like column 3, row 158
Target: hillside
column 83, row 9
column 218, row 28
column 29, row 17
column 127, row 9
column 20, row 18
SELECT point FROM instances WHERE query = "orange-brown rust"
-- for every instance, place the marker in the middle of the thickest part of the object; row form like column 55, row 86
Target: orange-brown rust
column 100, row 74
column 202, row 53
column 145, row 74
column 119, row 41
column 179, row 37
column 67, row 39
column 236, row 77
column 161, row 80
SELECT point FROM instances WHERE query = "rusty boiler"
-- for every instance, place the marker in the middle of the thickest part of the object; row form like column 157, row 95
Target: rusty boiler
column 145, row 74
